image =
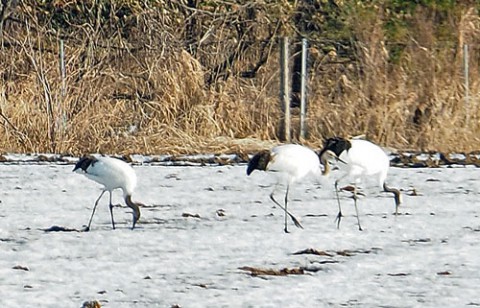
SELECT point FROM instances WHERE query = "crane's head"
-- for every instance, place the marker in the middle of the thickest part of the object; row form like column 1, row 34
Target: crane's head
column 332, row 149
column 326, row 156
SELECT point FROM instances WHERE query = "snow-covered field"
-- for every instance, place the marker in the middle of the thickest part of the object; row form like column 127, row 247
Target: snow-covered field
column 429, row 256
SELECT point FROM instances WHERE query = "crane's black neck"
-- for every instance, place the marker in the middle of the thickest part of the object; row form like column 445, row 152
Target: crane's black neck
column 135, row 207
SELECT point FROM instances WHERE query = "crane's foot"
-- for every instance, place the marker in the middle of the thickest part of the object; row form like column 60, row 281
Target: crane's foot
column 338, row 219
column 297, row 223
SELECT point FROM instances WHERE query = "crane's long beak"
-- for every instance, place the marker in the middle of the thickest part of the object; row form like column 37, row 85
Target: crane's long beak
column 340, row 160
column 330, row 154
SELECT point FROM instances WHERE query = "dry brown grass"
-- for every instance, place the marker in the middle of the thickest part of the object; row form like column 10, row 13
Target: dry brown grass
column 419, row 103
column 156, row 100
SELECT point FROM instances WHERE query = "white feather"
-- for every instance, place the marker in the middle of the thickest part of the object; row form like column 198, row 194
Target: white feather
column 294, row 161
column 112, row 173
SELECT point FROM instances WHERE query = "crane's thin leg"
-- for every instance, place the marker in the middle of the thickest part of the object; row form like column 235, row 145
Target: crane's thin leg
column 111, row 211
column 295, row 221
column 286, row 203
column 339, row 215
column 355, row 203
column 93, row 212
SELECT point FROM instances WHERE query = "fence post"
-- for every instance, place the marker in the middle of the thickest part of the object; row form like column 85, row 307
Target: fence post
column 61, row 118
column 466, row 80
column 62, row 67
column 303, row 89
column 284, row 88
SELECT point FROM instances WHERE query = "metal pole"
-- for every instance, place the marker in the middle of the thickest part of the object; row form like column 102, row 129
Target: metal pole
column 62, row 67
column 303, row 89
column 284, row 88
column 61, row 119
column 467, row 86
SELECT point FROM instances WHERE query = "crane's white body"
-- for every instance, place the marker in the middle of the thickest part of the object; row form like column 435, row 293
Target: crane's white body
column 364, row 160
column 293, row 162
column 358, row 159
column 290, row 162
column 112, row 173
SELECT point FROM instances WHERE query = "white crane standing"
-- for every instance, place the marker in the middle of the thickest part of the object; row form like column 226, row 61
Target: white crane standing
column 358, row 159
column 112, row 173
column 291, row 161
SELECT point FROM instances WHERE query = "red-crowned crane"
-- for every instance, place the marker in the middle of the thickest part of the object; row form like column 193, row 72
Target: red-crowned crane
column 290, row 161
column 112, row 173
column 357, row 159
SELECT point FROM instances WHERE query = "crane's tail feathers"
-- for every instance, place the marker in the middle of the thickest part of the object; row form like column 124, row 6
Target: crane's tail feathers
column 259, row 161
column 84, row 163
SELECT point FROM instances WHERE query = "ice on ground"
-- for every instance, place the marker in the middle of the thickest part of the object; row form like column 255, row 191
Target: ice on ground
column 428, row 256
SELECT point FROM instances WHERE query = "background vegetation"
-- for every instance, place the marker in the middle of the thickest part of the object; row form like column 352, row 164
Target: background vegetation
column 193, row 76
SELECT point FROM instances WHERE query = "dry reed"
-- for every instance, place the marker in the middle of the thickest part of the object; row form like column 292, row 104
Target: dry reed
column 161, row 99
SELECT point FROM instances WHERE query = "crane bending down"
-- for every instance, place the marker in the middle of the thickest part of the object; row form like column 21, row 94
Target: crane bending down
column 291, row 161
column 112, row 173
column 359, row 158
